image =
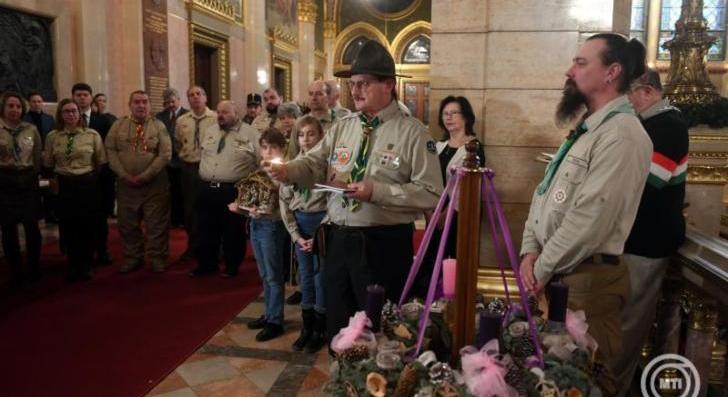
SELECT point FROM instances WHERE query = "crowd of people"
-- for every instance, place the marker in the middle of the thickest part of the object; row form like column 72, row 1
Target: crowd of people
column 184, row 168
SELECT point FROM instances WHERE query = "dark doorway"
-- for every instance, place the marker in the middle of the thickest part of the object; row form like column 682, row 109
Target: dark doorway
column 279, row 79
column 206, row 72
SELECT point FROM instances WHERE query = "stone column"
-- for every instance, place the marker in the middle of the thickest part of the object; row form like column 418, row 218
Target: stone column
column 329, row 38
column 307, row 14
column 94, row 62
column 508, row 57
column 257, row 70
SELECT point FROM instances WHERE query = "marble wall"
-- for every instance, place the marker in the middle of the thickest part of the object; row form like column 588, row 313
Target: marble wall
column 509, row 57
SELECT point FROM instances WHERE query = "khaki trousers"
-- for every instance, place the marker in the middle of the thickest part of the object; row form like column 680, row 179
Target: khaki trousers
column 602, row 291
column 645, row 277
column 148, row 204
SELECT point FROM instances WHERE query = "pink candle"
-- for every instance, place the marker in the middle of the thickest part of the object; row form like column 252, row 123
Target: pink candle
column 448, row 278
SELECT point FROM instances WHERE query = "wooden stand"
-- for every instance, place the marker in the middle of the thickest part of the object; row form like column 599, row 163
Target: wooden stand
column 462, row 322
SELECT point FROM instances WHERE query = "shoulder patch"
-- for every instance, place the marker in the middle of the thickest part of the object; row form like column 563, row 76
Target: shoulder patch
column 431, row 147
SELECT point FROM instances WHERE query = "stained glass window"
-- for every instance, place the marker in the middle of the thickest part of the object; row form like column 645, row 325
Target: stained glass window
column 713, row 12
column 638, row 24
column 352, row 49
column 417, row 51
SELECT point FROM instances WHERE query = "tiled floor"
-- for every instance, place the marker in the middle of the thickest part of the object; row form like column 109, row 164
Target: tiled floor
column 233, row 364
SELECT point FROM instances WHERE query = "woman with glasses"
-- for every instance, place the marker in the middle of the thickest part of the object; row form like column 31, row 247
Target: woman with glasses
column 20, row 158
column 75, row 154
column 456, row 118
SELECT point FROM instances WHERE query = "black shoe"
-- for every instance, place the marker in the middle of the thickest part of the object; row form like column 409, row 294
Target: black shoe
column 294, row 299
column 306, row 331
column 318, row 336
column 200, row 271
column 257, row 323
column 269, row 332
column 228, row 273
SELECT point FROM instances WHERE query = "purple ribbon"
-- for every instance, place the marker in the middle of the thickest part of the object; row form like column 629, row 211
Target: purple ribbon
column 497, row 223
column 506, row 233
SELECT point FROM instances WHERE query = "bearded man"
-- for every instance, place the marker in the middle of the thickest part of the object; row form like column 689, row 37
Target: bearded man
column 582, row 212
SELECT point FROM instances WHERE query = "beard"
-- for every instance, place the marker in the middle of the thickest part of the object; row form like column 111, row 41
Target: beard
column 572, row 103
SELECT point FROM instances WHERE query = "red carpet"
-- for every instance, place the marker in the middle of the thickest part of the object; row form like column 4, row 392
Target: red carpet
column 118, row 335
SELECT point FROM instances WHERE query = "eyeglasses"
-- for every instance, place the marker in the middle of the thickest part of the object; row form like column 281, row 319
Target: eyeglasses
column 69, row 111
column 450, row 114
column 360, row 85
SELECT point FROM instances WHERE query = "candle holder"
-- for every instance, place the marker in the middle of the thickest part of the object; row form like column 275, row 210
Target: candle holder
column 257, row 191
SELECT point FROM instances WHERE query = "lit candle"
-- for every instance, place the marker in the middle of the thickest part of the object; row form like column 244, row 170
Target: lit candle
column 558, row 299
column 490, row 327
column 277, row 161
column 448, row 278
column 375, row 302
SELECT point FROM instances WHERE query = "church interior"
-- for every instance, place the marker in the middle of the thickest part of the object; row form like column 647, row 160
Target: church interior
column 167, row 335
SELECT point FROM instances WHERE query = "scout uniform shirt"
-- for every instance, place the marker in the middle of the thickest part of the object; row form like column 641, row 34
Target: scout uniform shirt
column 295, row 198
column 189, row 131
column 20, row 147
column 74, row 151
column 141, row 150
column 341, row 112
column 264, row 120
column 591, row 202
column 229, row 156
column 403, row 168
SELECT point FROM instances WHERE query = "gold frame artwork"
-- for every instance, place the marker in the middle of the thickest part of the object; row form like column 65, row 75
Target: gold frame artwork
column 219, row 41
column 284, row 64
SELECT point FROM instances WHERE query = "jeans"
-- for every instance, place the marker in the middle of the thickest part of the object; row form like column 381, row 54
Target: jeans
column 267, row 236
column 312, row 289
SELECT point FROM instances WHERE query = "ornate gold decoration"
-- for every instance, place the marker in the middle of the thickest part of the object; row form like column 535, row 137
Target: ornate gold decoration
column 717, row 362
column 280, row 35
column 218, row 8
column 319, row 54
column 490, row 283
column 329, row 29
column 702, row 315
column 707, row 174
column 307, row 11
column 391, row 16
column 284, row 64
column 687, row 80
column 219, row 41
column 708, row 155
column 718, row 137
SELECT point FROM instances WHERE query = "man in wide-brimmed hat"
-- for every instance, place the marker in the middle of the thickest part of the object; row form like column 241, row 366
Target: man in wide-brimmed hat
column 386, row 163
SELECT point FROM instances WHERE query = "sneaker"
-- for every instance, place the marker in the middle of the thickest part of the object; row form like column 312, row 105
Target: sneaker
column 257, row 323
column 269, row 332
column 294, row 299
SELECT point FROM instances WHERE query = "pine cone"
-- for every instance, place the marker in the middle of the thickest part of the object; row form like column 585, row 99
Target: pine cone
column 522, row 346
column 354, row 354
column 406, row 382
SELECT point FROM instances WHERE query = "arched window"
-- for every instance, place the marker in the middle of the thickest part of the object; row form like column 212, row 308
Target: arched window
column 714, row 11
column 417, row 50
column 353, row 48
column 638, row 23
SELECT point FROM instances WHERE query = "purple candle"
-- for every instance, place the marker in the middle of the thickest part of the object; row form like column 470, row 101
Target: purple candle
column 490, row 327
column 375, row 302
column 558, row 299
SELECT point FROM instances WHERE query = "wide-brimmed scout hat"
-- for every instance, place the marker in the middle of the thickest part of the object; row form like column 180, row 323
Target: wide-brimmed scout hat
column 373, row 59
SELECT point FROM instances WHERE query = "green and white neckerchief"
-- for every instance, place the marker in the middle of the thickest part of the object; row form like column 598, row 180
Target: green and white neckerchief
column 15, row 133
column 70, row 143
column 569, row 142
column 362, row 158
